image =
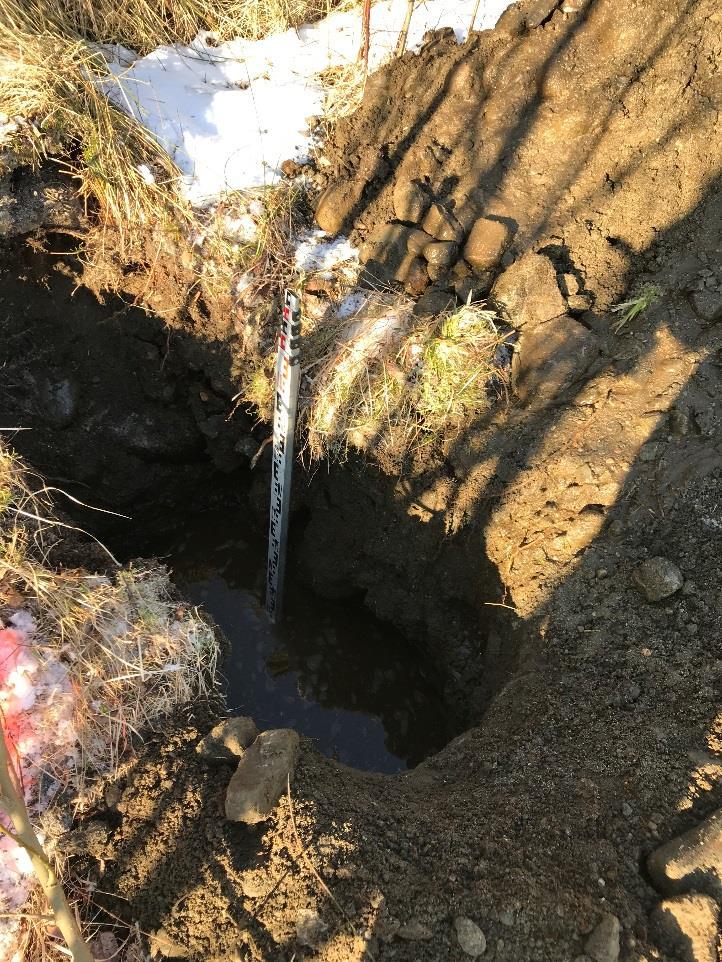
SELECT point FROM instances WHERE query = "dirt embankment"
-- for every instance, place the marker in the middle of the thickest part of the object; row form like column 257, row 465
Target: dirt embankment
column 573, row 153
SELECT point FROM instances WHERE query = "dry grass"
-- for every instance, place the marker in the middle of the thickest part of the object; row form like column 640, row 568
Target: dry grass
column 144, row 24
column 133, row 653
column 384, row 380
column 52, row 78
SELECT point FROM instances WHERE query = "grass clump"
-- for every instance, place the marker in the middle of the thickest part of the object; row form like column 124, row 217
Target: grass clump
column 132, row 652
column 145, row 24
column 55, row 79
column 391, row 383
column 647, row 295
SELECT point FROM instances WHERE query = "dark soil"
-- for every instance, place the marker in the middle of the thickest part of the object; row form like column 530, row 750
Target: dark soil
column 508, row 553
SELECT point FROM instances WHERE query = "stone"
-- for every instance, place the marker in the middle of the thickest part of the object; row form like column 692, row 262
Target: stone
column 528, row 292
column 441, row 253
column 385, row 254
column 290, row 168
column 262, row 776
column 442, row 224
column 549, row 357
column 411, row 200
column 337, row 203
column 688, row 927
column 658, row 578
column 417, row 240
column 310, row 929
column 469, row 936
column 417, row 277
column 487, row 241
column 228, row 740
column 603, row 944
column 539, row 11
column 434, row 302
column 707, row 304
column 162, row 944
column 511, row 22
column 414, row 931
column 693, row 860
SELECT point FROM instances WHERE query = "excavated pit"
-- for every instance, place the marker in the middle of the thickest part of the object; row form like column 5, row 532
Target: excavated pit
column 376, row 665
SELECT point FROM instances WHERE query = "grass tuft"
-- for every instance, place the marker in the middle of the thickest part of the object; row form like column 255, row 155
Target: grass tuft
column 647, row 295
column 132, row 652
column 389, row 382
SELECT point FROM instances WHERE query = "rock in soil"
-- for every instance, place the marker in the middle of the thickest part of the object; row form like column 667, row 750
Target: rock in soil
column 603, row 944
column 469, row 936
column 262, row 776
column 549, row 357
column 528, row 292
column 228, row 740
column 488, row 240
column 658, row 578
column 688, row 927
column 693, row 860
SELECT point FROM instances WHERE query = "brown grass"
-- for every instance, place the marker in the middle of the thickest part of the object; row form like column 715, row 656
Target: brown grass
column 132, row 651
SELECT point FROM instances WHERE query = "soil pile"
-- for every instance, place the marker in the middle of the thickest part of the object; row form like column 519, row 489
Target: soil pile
column 557, row 164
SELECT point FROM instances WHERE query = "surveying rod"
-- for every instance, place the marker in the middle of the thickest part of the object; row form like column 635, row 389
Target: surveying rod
column 288, row 374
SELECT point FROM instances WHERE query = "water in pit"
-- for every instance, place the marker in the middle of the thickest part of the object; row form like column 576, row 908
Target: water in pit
column 329, row 669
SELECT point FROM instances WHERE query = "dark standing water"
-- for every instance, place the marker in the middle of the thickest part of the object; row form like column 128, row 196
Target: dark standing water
column 329, row 669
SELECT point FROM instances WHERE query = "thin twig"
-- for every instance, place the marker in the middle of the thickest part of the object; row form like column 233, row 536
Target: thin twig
column 403, row 36
column 24, row 834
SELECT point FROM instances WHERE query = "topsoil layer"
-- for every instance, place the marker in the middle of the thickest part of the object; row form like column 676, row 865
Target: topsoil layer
column 591, row 133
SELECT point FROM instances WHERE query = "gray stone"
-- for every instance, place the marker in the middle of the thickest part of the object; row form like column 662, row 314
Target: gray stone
column 417, row 240
column 434, row 302
column 443, row 224
column 228, row 740
column 528, row 292
column 603, row 944
column 262, row 776
column 441, row 253
column 310, row 929
column 538, row 11
column 658, row 578
column 469, row 936
column 693, row 860
column 707, row 304
column 688, row 927
column 550, row 357
column 486, row 243
column 411, row 200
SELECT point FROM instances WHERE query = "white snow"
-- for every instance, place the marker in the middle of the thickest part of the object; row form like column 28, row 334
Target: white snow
column 230, row 113
column 315, row 251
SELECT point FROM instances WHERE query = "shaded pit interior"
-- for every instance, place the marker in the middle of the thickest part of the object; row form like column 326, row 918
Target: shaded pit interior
column 131, row 416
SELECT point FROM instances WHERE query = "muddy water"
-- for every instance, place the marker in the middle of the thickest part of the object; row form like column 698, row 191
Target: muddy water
column 328, row 669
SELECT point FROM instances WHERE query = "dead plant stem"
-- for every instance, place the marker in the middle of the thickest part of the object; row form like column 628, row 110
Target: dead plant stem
column 12, row 802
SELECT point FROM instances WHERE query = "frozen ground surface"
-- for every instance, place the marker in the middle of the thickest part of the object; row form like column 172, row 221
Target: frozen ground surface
column 229, row 114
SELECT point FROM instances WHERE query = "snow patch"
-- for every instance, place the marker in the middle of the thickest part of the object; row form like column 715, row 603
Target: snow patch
column 229, row 114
